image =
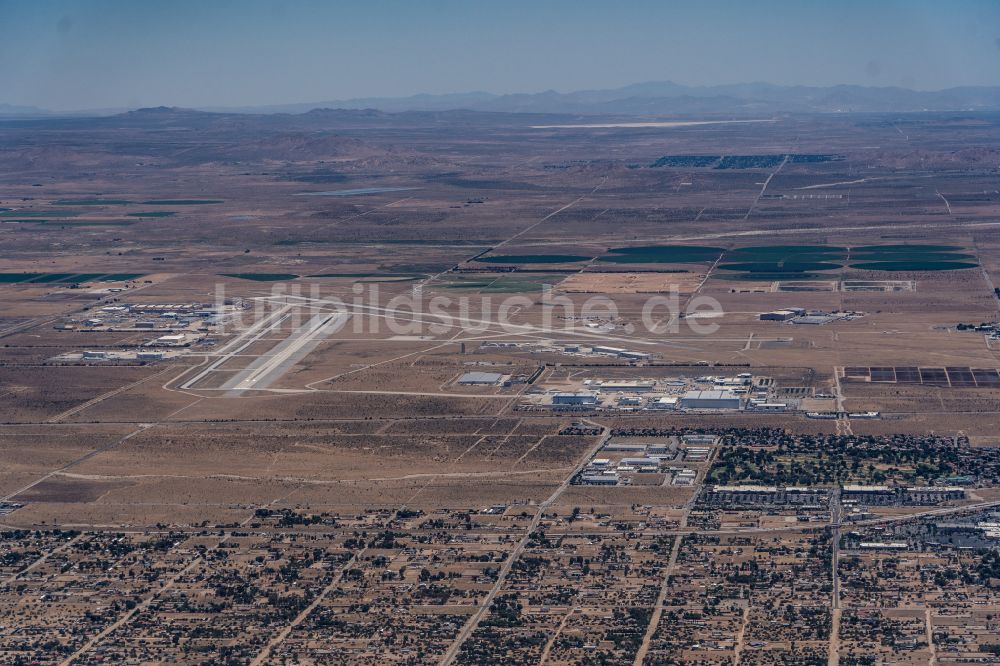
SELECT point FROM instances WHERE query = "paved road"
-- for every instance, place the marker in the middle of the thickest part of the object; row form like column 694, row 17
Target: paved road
column 836, row 511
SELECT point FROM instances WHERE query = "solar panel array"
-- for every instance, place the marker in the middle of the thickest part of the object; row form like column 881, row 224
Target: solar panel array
column 953, row 376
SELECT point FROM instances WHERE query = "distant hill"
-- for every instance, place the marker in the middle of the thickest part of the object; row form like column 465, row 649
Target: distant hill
column 13, row 111
column 668, row 98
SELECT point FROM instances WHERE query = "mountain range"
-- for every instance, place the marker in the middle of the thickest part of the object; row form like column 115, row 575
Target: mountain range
column 666, row 98
column 655, row 98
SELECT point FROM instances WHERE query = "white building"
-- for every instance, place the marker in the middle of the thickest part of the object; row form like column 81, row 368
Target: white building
column 758, row 406
column 666, row 402
column 633, row 387
column 174, row 340
column 604, row 349
column 710, row 400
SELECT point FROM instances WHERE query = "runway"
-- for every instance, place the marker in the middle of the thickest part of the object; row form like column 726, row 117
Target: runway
column 270, row 367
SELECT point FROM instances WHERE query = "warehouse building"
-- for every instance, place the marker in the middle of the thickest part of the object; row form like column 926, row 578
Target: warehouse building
column 582, row 398
column 815, row 319
column 764, row 406
column 624, row 448
column 604, row 349
column 599, row 479
column 172, row 340
column 710, row 400
column 633, row 387
column 642, row 464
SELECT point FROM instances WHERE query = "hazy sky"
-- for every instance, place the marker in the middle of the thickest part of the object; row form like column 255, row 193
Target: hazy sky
column 66, row 54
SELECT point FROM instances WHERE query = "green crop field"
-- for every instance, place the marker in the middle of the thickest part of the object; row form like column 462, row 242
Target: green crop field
column 503, row 284
column 63, row 278
column 367, row 275
column 784, row 268
column 927, row 265
column 91, row 202
column 663, row 254
column 779, row 253
column 181, row 202
column 40, row 213
column 909, row 247
column 911, row 258
column 767, row 277
column 533, row 259
column 261, row 277
column 79, row 223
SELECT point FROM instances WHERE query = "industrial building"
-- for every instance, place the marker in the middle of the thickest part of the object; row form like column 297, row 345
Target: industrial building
column 779, row 315
column 480, row 379
column 599, row 479
column 816, row 319
column 173, row 340
column 618, row 351
column 666, row 402
column 624, row 448
column 632, row 387
column 763, row 406
column 641, row 462
column 603, row 349
column 710, row 400
column 582, row 398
